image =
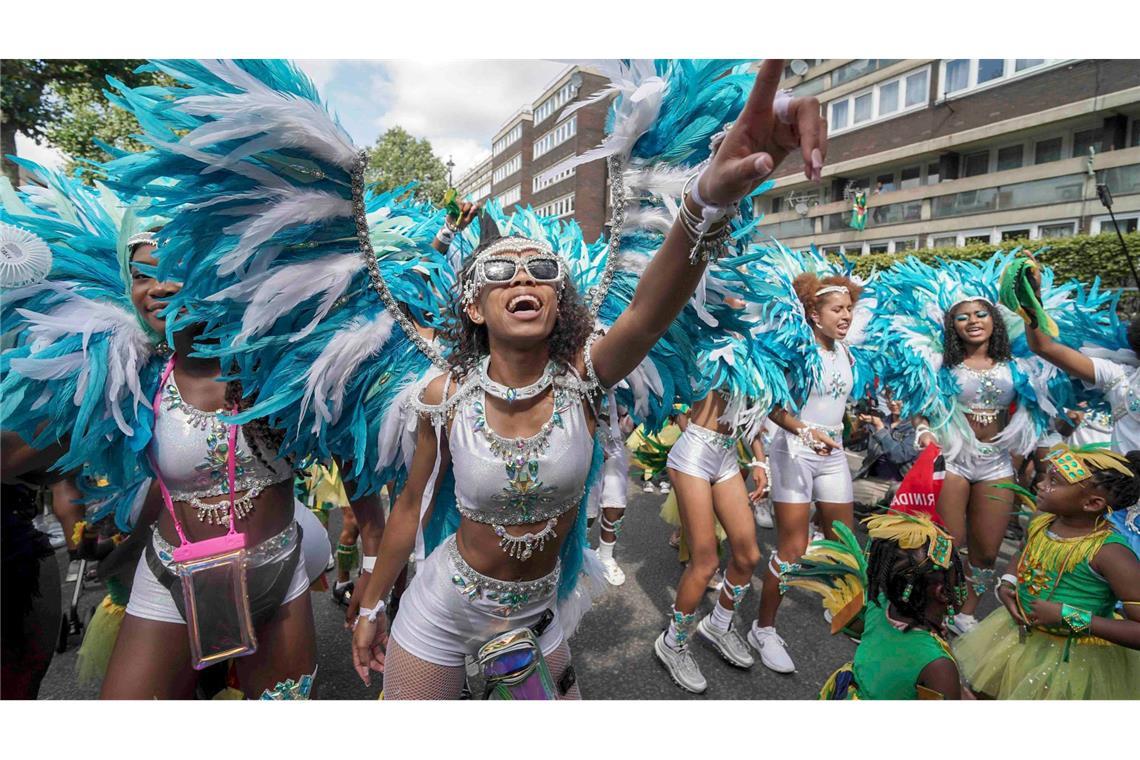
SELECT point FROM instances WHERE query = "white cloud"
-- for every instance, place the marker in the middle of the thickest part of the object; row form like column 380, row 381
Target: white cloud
column 320, row 71
column 458, row 105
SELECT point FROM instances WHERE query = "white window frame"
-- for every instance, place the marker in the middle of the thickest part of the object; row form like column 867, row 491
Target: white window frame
column 874, row 91
column 1073, row 223
column 972, row 85
column 480, row 192
column 561, row 176
column 891, row 243
column 506, row 169
column 559, row 207
column 1104, row 223
column 999, row 231
column 507, row 140
column 562, row 96
column 510, row 196
column 561, row 132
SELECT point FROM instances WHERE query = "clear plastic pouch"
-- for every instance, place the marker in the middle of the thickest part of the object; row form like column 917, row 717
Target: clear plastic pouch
column 217, row 612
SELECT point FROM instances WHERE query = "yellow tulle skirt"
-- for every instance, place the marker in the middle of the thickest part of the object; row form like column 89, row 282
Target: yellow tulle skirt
column 671, row 514
column 995, row 662
column 99, row 641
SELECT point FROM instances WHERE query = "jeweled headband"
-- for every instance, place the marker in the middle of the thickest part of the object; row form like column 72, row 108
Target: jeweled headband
column 141, row 238
column 831, row 289
column 967, row 299
column 912, row 531
column 1079, row 463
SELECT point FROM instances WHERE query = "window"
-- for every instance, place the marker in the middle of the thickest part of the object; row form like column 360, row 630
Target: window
column 1047, row 150
column 907, row 244
column 917, row 86
column 910, row 177
column 960, row 75
column 889, row 98
column 1122, row 180
column 859, row 68
column 990, row 69
column 1082, row 141
column 554, row 179
column 969, row 202
column 564, row 95
column 933, row 173
column 1055, row 230
column 511, row 196
column 950, row 241
column 810, row 87
column 976, row 163
column 1041, row 192
column 1021, row 233
column 556, row 136
column 564, row 206
column 879, row 247
column 880, row 101
column 507, row 169
column 956, row 76
column 480, row 192
column 1102, row 225
column 1009, row 157
column 1135, row 133
column 506, row 140
column 972, row 239
column 838, row 118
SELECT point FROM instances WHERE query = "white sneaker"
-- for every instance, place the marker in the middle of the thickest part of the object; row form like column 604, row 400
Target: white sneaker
column 816, row 535
column 763, row 512
column 614, row 574
column 773, row 651
column 716, row 581
column 648, row 487
column 961, row 624
column 664, row 486
column 681, row 666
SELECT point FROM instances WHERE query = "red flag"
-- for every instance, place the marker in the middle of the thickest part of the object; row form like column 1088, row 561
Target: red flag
column 919, row 490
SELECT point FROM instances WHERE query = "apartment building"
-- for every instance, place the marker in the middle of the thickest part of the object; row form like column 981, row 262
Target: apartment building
column 537, row 137
column 953, row 151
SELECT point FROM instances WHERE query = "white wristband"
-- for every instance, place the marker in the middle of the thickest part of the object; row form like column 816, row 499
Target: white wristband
column 370, row 614
column 445, row 235
column 367, row 563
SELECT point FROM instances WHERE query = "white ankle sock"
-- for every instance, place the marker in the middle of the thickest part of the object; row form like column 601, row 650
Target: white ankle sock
column 606, row 550
column 720, row 618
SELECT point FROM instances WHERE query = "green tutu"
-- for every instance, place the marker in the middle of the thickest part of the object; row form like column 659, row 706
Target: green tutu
column 996, row 663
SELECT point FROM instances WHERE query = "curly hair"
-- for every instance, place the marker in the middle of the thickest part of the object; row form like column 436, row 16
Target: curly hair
column 808, row 283
column 891, row 570
column 954, row 348
column 470, row 343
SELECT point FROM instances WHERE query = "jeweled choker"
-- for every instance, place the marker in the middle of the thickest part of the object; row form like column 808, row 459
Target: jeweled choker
column 510, row 395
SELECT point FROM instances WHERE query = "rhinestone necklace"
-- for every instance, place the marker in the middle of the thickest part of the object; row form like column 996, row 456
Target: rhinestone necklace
column 510, row 395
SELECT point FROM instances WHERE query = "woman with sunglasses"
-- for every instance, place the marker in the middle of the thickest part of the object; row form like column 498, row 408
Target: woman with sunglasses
column 526, row 375
column 956, row 372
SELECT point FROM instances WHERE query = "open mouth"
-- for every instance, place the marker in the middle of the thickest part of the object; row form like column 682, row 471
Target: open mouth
column 524, row 303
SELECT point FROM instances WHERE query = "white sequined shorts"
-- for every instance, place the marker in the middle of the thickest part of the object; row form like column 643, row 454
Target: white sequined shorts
column 450, row 609
column 801, row 476
column 981, row 463
column 704, row 454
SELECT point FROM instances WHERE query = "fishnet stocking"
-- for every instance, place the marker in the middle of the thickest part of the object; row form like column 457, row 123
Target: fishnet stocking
column 557, row 661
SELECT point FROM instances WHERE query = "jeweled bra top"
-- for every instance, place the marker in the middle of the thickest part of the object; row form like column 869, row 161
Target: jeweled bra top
column 189, row 449
column 985, row 392
column 519, row 481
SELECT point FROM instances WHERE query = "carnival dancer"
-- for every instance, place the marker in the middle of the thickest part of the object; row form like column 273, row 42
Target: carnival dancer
column 954, row 368
column 813, row 306
column 896, row 596
column 608, row 503
column 1056, row 635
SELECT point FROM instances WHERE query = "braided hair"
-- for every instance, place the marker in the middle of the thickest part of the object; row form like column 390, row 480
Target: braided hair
column 258, row 433
column 1123, row 491
column 892, row 569
column 954, row 348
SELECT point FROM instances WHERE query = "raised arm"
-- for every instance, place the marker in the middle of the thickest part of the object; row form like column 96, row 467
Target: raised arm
column 753, row 147
column 1059, row 355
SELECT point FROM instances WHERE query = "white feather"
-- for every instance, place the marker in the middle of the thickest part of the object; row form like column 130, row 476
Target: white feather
column 326, row 380
column 267, row 219
column 275, row 293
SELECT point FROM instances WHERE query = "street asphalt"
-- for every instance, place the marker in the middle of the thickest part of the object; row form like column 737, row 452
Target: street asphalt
column 613, row 648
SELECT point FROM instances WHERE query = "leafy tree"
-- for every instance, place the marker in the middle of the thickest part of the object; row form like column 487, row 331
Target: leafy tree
column 61, row 101
column 397, row 158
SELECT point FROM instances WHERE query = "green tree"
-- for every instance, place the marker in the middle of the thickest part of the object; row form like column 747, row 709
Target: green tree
column 397, row 158
column 52, row 99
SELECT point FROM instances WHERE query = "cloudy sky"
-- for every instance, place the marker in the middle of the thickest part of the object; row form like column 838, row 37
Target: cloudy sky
column 457, row 105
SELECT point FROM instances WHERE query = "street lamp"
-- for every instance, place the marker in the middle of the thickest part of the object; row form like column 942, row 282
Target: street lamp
column 450, row 165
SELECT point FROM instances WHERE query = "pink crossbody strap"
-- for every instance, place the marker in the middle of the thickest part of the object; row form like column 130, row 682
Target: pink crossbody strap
column 231, row 463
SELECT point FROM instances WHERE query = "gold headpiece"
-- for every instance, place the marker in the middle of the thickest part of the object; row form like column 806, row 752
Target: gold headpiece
column 1076, row 464
column 911, row 531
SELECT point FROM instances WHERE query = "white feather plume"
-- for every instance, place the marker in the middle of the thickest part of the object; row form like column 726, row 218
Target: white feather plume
column 326, row 380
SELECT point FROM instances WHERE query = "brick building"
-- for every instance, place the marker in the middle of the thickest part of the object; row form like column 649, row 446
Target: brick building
column 953, row 151
column 535, row 138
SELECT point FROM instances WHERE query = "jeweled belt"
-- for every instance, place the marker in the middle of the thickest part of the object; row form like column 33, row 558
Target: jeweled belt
column 510, row 594
column 711, row 436
column 266, row 551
